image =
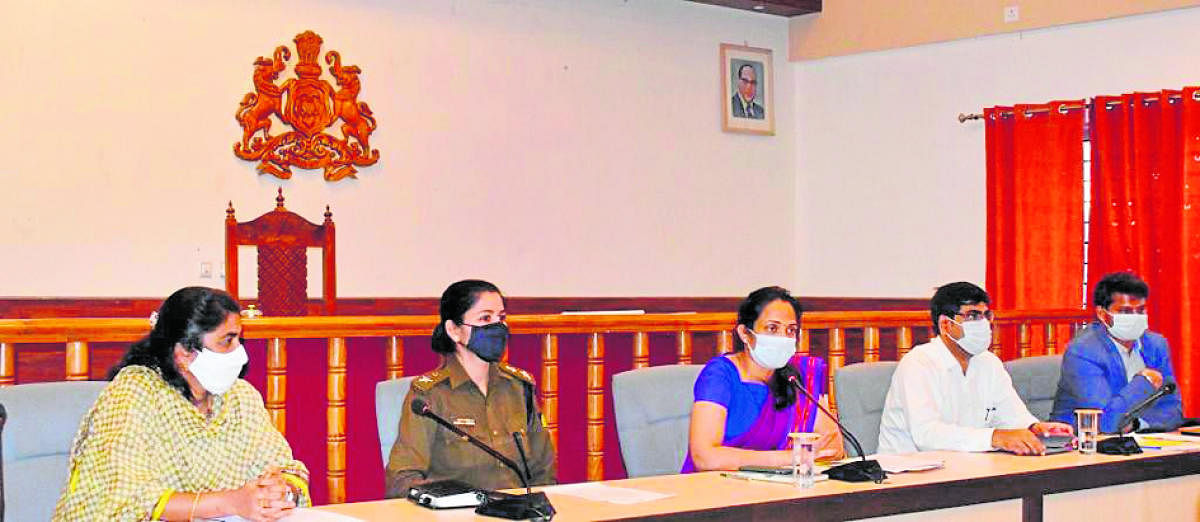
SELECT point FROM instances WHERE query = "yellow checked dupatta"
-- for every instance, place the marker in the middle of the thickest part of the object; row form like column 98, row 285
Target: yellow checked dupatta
column 143, row 441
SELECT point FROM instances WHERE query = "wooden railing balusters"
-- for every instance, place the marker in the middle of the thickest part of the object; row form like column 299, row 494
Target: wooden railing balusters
column 1051, row 346
column 77, row 361
column 837, row 359
column 724, row 342
column 395, row 357
column 78, row 333
column 595, row 407
column 871, row 344
column 549, row 386
column 1024, row 338
column 335, row 445
column 904, row 341
column 684, row 346
column 8, row 366
column 277, row 382
column 641, row 350
column 996, row 348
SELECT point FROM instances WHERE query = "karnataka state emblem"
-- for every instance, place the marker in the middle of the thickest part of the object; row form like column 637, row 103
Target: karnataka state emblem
column 310, row 105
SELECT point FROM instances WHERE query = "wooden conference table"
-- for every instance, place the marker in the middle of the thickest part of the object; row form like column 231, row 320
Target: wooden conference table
column 1156, row 485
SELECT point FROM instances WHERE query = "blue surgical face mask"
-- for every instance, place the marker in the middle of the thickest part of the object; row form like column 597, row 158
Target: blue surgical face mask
column 488, row 341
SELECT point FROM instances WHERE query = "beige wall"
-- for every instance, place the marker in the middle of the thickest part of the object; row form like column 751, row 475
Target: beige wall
column 890, row 186
column 557, row 148
column 847, row 27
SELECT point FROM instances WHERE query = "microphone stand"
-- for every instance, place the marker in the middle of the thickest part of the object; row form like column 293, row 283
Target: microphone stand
column 855, row 471
column 1123, row 444
column 535, row 506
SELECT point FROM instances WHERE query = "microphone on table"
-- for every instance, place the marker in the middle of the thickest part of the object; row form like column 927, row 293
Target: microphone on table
column 514, row 507
column 856, row 471
column 1123, row 444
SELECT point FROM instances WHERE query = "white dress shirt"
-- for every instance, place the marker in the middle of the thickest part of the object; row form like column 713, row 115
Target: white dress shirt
column 1131, row 358
column 932, row 406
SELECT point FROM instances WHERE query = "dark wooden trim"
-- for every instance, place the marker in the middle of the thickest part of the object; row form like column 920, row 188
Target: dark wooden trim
column 941, row 495
column 775, row 7
column 44, row 307
column 1031, row 508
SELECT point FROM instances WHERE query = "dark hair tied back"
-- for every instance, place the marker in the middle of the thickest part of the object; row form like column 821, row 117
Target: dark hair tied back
column 748, row 313
column 183, row 319
column 456, row 300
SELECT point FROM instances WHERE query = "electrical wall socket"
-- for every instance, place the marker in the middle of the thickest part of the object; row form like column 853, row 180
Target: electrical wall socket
column 1012, row 14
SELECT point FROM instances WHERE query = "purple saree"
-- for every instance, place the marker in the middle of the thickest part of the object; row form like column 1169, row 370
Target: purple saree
column 771, row 427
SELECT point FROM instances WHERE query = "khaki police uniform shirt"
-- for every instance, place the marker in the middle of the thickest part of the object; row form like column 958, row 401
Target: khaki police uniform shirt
column 426, row 451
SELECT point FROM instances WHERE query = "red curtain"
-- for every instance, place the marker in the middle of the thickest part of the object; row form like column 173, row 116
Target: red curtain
column 1034, row 210
column 1145, row 186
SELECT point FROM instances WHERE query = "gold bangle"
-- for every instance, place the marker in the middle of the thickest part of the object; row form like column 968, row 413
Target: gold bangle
column 195, row 500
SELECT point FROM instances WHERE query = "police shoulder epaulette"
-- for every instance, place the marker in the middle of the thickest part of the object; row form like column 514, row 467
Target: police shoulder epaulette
column 517, row 372
column 427, row 381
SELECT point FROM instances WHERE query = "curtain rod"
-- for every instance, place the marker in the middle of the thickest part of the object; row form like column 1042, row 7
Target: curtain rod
column 963, row 118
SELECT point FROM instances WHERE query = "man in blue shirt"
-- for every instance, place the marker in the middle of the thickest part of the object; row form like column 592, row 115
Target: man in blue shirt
column 1115, row 363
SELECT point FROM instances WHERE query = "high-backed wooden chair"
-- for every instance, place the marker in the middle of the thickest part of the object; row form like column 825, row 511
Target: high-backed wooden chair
column 282, row 239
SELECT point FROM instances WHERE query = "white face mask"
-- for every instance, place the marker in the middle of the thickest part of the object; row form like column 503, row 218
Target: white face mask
column 1128, row 327
column 218, row 371
column 771, row 351
column 977, row 336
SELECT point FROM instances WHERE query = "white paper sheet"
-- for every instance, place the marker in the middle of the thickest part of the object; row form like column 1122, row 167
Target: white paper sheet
column 601, row 493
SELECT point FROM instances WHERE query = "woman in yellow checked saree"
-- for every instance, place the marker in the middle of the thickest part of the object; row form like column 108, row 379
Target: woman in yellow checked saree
column 177, row 435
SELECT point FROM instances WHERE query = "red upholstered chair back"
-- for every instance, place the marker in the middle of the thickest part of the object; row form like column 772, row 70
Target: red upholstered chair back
column 282, row 239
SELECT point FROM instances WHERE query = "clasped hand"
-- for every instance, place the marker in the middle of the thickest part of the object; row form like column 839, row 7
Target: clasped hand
column 265, row 499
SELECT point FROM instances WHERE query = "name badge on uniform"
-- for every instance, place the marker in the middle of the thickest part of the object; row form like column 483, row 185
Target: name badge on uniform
column 463, row 421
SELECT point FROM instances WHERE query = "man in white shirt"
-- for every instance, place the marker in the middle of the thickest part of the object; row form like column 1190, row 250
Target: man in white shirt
column 953, row 394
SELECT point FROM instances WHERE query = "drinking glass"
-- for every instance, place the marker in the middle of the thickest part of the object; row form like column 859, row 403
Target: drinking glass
column 1087, row 425
column 804, row 456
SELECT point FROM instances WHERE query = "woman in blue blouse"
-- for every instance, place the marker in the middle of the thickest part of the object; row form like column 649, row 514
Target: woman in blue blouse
column 744, row 407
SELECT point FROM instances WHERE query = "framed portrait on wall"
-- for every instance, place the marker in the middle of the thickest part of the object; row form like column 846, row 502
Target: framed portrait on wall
column 747, row 90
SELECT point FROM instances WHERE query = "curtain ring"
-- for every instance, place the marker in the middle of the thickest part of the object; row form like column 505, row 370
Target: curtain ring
column 1196, row 95
column 1062, row 109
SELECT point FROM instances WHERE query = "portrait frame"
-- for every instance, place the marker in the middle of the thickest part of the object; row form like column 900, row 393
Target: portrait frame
column 757, row 116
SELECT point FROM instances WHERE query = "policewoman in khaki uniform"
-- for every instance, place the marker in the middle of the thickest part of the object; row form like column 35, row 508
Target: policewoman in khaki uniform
column 489, row 399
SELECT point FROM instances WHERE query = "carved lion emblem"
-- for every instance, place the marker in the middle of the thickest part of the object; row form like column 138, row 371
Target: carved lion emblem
column 310, row 105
